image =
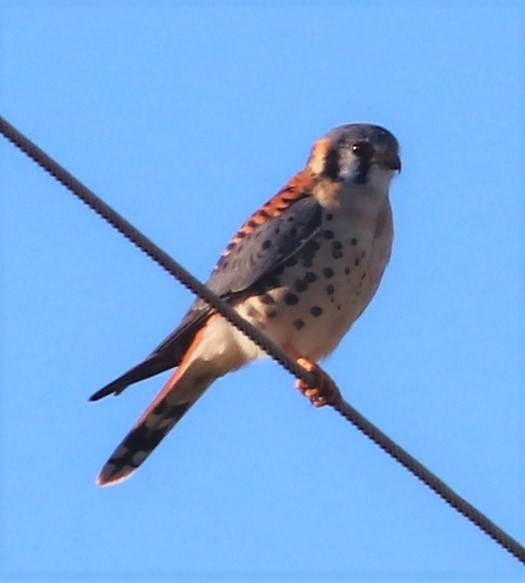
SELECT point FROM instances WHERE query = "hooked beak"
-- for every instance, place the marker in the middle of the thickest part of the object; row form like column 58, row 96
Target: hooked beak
column 390, row 160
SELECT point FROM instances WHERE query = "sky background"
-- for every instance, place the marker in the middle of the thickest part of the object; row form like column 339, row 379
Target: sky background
column 186, row 117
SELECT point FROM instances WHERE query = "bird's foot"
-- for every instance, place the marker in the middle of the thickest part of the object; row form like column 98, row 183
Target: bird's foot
column 325, row 391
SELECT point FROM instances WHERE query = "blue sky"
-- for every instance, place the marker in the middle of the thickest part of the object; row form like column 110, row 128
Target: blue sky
column 186, row 117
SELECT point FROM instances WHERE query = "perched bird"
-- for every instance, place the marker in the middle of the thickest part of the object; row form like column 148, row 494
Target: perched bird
column 302, row 269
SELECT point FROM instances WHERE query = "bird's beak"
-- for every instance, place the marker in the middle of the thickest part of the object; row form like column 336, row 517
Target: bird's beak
column 390, row 160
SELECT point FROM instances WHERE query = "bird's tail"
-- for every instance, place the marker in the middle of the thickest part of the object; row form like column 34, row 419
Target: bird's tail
column 212, row 353
column 155, row 423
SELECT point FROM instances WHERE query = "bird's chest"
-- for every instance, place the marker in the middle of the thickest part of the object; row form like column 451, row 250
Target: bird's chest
column 310, row 301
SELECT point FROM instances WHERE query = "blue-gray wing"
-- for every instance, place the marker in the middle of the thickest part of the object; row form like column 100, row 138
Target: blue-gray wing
column 256, row 250
column 264, row 248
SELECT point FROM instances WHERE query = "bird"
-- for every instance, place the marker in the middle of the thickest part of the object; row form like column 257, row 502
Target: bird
column 302, row 269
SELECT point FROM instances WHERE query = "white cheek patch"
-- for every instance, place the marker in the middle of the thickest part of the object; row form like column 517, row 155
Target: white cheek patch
column 379, row 178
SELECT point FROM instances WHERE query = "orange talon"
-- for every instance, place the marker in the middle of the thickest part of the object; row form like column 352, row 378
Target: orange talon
column 325, row 391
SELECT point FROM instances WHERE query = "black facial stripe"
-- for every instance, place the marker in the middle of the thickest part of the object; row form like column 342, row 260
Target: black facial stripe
column 331, row 164
column 362, row 170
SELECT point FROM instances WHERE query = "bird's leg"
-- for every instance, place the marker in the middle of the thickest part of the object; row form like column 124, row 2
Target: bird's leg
column 324, row 392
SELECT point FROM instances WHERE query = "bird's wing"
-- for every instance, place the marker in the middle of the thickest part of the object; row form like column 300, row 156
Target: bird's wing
column 272, row 235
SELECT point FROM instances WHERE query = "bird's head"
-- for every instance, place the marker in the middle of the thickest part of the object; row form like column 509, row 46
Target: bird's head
column 358, row 153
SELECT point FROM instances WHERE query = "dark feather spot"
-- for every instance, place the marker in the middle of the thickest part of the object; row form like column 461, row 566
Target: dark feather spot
column 267, row 244
column 311, row 246
column 298, row 324
column 301, row 285
column 271, row 281
column 310, row 276
column 328, row 273
column 328, row 234
column 307, row 262
column 177, row 411
column 347, row 270
column 353, row 241
column 357, row 261
column 329, row 216
column 160, row 408
column 272, row 313
column 290, row 298
column 267, row 299
column 316, row 311
column 337, row 249
column 330, row 289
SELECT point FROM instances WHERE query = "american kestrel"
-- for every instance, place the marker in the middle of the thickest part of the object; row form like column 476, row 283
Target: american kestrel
column 302, row 269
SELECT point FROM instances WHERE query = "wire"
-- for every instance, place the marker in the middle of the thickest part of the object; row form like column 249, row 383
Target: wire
column 187, row 279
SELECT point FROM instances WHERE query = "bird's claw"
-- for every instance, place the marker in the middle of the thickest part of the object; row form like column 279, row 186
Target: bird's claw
column 325, row 391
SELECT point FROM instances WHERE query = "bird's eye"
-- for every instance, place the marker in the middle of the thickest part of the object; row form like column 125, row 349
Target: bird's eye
column 362, row 149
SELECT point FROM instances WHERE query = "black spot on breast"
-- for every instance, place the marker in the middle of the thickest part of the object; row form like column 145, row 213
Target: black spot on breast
column 267, row 244
column 353, row 241
column 328, row 234
column 347, row 270
column 316, row 311
column 329, row 216
column 330, row 289
column 310, row 276
column 357, row 261
column 298, row 324
column 272, row 313
column 290, row 298
column 301, row 285
column 337, row 249
column 363, row 275
column 328, row 273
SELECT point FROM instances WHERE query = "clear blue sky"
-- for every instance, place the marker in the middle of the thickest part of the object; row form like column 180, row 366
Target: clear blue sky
column 186, row 117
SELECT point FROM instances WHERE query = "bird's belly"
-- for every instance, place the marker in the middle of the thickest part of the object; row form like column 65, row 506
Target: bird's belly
column 309, row 303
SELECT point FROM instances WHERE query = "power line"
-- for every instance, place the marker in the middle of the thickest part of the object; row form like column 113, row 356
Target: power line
column 187, row 279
